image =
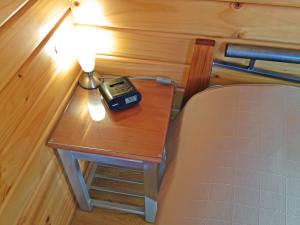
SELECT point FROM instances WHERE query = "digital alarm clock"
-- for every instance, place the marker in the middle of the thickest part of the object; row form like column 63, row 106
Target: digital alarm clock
column 120, row 93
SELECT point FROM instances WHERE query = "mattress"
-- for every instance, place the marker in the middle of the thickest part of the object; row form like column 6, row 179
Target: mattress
column 234, row 159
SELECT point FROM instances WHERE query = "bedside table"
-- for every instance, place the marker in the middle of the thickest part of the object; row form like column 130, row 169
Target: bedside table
column 133, row 138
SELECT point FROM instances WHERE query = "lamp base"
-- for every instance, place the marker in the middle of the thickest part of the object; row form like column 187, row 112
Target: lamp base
column 89, row 80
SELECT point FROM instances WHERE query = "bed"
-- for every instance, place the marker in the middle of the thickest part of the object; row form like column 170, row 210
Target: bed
column 234, row 159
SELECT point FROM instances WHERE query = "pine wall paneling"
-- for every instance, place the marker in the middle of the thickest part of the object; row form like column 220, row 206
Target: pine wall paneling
column 138, row 67
column 35, row 88
column 221, row 76
column 26, row 33
column 294, row 3
column 169, row 47
column 156, row 37
column 209, row 18
column 10, row 7
column 156, row 53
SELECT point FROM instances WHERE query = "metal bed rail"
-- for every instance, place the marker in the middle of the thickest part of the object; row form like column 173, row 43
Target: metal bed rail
column 254, row 53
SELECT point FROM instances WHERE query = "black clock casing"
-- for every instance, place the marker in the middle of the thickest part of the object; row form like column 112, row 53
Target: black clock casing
column 120, row 93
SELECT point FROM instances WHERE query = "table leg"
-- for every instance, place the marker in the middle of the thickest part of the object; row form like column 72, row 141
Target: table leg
column 151, row 182
column 76, row 179
column 162, row 166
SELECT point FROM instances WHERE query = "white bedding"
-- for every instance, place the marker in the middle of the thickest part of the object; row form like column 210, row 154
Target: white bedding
column 236, row 159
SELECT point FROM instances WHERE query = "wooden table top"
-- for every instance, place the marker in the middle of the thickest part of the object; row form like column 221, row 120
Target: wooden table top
column 87, row 125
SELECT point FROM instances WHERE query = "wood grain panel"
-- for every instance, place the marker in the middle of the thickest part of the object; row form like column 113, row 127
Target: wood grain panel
column 160, row 46
column 29, row 131
column 200, row 69
column 156, row 46
column 217, row 19
column 31, row 29
column 27, row 184
column 24, row 187
column 155, row 56
column 37, row 194
column 8, row 8
column 33, row 189
column 226, row 77
column 112, row 65
column 56, row 206
column 295, row 3
column 19, row 96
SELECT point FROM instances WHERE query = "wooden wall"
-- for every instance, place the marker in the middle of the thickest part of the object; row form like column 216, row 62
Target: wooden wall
column 35, row 83
column 156, row 37
column 8, row 8
column 132, row 37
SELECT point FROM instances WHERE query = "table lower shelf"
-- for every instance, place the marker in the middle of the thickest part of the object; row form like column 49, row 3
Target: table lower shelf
column 117, row 188
column 143, row 185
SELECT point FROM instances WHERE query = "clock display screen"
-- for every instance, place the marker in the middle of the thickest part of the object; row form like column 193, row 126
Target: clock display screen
column 131, row 99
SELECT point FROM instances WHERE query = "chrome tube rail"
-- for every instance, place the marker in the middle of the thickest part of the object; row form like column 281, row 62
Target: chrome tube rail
column 263, row 53
column 260, row 53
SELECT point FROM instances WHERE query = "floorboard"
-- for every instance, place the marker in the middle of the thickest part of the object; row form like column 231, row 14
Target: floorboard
column 109, row 217
column 106, row 217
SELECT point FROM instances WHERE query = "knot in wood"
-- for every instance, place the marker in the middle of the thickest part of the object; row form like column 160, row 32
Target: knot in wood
column 76, row 3
column 236, row 5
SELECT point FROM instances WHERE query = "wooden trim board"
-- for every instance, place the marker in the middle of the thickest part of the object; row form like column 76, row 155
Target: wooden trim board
column 200, row 68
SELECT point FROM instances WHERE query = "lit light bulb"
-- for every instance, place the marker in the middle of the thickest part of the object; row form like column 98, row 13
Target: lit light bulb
column 85, row 55
column 87, row 61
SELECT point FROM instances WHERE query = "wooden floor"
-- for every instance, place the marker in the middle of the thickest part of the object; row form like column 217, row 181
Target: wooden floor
column 106, row 217
column 109, row 217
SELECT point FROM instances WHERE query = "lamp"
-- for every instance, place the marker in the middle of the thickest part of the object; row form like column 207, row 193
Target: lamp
column 89, row 79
